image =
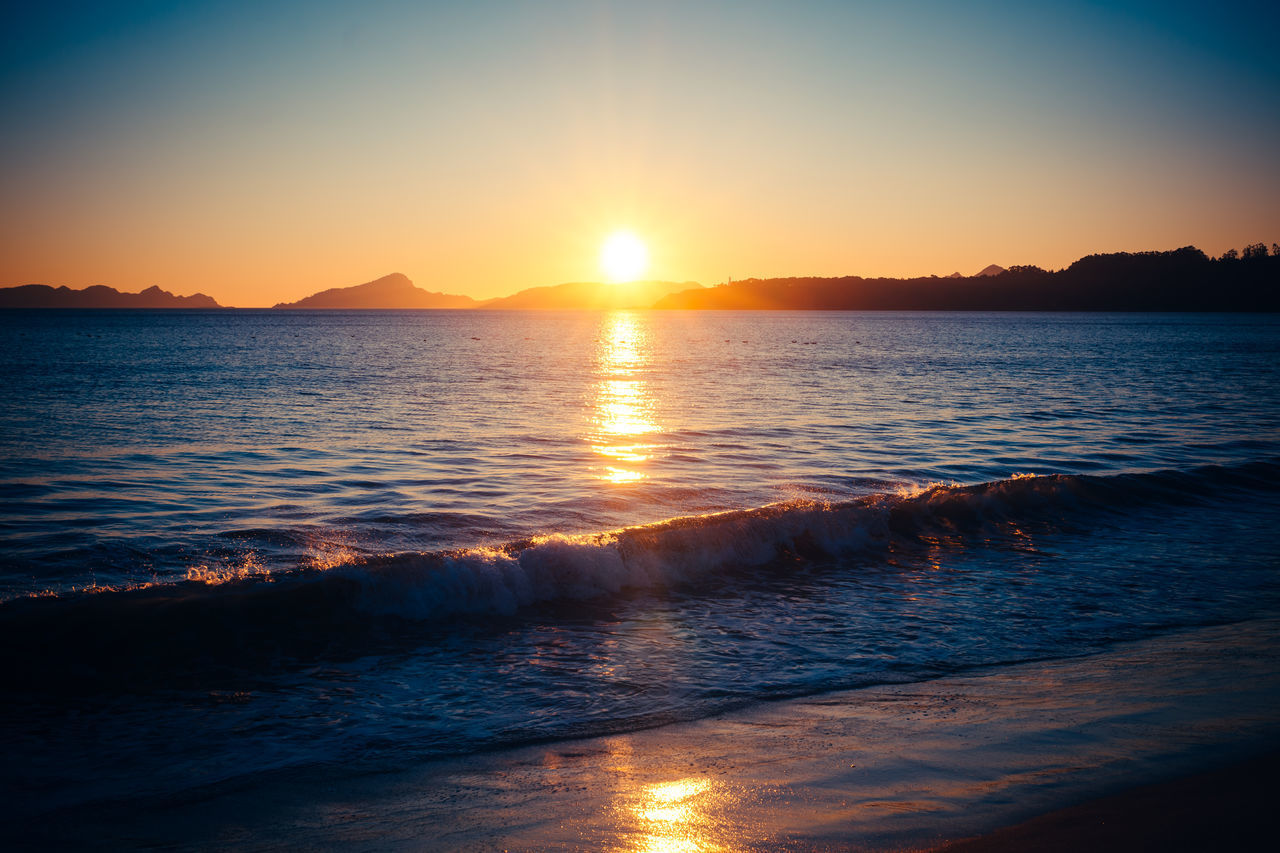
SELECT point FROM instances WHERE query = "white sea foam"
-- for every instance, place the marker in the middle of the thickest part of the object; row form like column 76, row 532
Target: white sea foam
column 563, row 567
column 559, row 566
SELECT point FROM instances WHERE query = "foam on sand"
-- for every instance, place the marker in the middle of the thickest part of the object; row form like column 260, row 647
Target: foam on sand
column 888, row 767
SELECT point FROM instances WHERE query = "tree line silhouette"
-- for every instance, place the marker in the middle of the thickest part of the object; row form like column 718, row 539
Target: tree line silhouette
column 1184, row 279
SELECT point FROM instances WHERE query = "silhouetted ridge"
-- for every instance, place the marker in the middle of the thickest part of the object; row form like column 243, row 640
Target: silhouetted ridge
column 591, row 295
column 1181, row 280
column 390, row 291
column 97, row 296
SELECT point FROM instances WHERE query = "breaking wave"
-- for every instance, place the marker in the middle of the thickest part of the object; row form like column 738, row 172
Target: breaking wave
column 242, row 620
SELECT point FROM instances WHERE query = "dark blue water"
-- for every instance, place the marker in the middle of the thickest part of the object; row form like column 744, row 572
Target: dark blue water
column 240, row 541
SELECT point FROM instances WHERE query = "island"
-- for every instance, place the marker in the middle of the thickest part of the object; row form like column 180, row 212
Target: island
column 97, row 296
column 391, row 291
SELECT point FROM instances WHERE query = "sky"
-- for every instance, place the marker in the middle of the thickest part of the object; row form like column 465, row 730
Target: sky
column 262, row 151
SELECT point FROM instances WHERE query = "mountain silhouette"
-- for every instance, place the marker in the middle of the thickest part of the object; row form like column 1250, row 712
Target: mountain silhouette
column 97, row 296
column 990, row 270
column 1181, row 280
column 390, row 291
column 591, row 295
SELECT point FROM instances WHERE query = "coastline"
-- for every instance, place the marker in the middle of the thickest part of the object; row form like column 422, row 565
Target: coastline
column 892, row 767
column 1219, row 809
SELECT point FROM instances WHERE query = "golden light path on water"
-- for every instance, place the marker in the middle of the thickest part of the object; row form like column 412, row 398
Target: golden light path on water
column 623, row 412
column 683, row 815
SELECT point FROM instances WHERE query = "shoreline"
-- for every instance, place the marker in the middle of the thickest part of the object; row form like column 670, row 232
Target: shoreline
column 1226, row 808
column 958, row 760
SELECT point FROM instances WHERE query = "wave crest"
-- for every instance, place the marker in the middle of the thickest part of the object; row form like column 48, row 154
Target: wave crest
column 343, row 601
column 559, row 566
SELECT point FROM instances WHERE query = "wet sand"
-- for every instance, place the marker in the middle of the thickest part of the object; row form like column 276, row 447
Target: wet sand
column 897, row 767
column 1227, row 809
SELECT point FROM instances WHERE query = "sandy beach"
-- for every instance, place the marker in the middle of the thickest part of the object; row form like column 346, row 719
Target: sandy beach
column 894, row 767
column 1223, row 809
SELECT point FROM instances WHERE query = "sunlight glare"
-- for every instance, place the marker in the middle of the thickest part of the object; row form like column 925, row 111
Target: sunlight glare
column 677, row 817
column 624, row 257
column 624, row 409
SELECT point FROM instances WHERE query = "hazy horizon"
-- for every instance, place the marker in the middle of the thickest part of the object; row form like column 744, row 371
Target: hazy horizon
column 259, row 153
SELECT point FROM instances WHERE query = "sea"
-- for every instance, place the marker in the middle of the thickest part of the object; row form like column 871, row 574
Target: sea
column 239, row 543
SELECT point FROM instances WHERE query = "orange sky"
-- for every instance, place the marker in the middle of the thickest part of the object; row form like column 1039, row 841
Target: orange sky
column 262, row 152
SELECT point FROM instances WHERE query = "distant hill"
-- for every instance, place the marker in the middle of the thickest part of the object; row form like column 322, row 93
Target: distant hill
column 390, row 291
column 993, row 269
column 590, row 295
column 97, row 296
column 1181, row 280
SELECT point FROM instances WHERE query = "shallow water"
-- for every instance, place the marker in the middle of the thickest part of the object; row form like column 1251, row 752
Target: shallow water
column 243, row 540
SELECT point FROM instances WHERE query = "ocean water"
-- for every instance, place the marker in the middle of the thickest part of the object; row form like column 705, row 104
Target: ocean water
column 236, row 543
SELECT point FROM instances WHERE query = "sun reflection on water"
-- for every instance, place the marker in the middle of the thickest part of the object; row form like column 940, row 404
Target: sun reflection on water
column 669, row 802
column 624, row 409
column 674, row 817
column 661, row 812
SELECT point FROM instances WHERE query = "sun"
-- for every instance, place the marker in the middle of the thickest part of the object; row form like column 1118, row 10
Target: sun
column 623, row 257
